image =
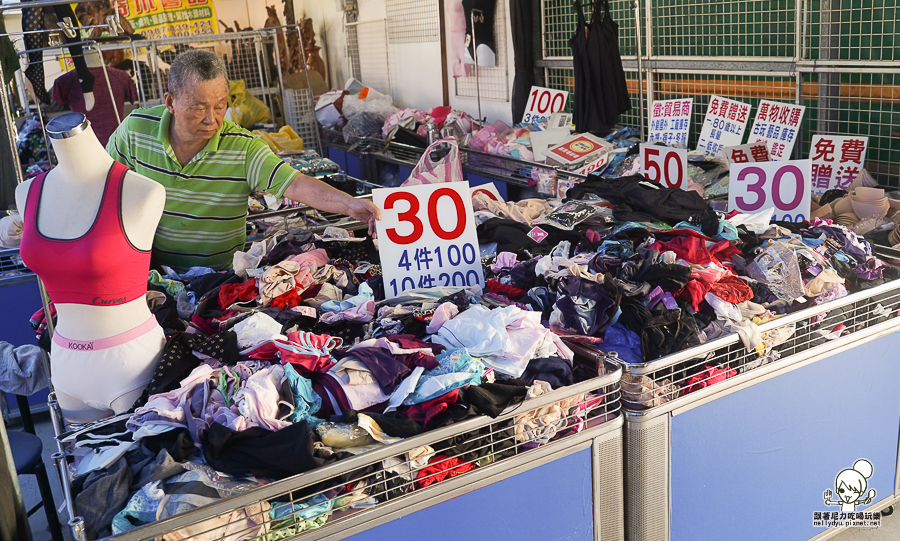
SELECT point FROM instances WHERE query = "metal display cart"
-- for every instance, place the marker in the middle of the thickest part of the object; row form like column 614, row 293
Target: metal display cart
column 558, row 455
column 509, row 175
column 747, row 450
column 314, row 220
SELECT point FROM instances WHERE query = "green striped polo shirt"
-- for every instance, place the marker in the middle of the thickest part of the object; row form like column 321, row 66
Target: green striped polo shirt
column 205, row 217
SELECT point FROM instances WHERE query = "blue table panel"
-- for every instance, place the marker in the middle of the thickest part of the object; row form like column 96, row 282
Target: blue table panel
column 755, row 464
column 354, row 166
column 404, row 172
column 550, row 502
column 19, row 303
column 338, row 156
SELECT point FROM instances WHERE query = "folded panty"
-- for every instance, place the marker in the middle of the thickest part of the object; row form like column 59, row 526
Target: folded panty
column 277, row 280
column 492, row 398
column 822, row 283
column 308, row 352
column 731, row 288
column 232, row 293
column 442, row 314
column 710, row 376
column 512, row 292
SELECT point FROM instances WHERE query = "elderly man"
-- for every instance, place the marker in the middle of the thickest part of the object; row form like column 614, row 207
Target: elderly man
column 209, row 165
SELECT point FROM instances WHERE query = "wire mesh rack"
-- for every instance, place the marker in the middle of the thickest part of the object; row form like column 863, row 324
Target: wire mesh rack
column 838, row 58
column 502, row 168
column 12, row 268
column 749, row 88
column 413, row 21
column 694, row 373
column 559, row 21
column 736, row 28
column 509, row 170
column 367, row 48
column 350, row 495
column 492, row 82
column 332, row 138
column 299, row 114
column 564, row 79
column 852, row 30
column 862, row 101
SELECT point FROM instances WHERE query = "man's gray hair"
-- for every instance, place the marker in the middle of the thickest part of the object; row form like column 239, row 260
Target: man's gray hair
column 192, row 66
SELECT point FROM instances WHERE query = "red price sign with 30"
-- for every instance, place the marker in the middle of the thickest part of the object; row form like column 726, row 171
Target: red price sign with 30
column 782, row 186
column 667, row 166
column 427, row 237
column 543, row 102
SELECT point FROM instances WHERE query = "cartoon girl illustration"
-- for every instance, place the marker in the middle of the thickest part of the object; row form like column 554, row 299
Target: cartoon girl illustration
column 851, row 485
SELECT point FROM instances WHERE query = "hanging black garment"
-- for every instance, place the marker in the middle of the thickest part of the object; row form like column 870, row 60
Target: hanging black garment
column 522, row 22
column 614, row 74
column 599, row 77
column 585, row 114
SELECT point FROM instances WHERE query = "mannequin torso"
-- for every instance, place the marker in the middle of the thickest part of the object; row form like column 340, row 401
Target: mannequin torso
column 87, row 216
column 69, row 204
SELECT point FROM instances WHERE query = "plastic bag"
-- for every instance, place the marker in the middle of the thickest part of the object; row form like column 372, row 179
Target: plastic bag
column 446, row 169
column 284, row 139
column 247, row 109
column 777, row 267
column 369, row 100
column 329, row 108
column 568, row 216
column 343, row 435
column 362, row 125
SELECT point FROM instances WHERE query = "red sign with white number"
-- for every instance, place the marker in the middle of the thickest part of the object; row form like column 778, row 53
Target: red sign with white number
column 783, row 186
column 543, row 102
column 667, row 166
column 427, row 238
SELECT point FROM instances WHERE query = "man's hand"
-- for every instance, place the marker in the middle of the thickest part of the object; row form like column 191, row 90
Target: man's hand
column 364, row 211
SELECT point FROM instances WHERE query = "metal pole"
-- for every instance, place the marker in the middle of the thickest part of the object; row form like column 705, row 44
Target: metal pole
column 44, row 133
column 56, row 419
column 154, row 65
column 112, row 96
column 312, row 107
column 277, row 51
column 6, row 111
column 142, row 96
column 637, row 42
column 475, row 58
column 263, row 87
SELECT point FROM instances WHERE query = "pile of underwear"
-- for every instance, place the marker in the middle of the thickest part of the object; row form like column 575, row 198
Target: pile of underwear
column 664, row 273
column 294, row 359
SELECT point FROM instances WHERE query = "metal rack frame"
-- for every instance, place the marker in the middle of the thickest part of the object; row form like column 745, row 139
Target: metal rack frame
column 512, row 171
column 870, row 314
column 840, row 66
column 595, row 398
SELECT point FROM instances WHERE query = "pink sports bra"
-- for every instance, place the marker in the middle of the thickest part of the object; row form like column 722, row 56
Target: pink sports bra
column 101, row 267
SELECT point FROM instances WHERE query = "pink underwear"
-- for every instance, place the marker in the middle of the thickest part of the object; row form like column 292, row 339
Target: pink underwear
column 106, row 343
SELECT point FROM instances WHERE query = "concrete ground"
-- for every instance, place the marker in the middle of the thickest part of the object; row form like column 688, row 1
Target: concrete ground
column 889, row 531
